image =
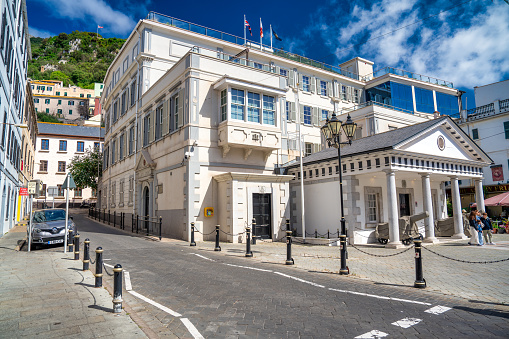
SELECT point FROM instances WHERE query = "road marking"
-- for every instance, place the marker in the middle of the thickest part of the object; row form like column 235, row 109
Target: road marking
column 438, row 309
column 127, row 277
column 407, row 322
column 159, row 306
column 109, row 265
column 106, row 259
column 249, row 268
column 190, row 327
column 381, row 297
column 301, row 280
column 372, row 334
column 201, row 256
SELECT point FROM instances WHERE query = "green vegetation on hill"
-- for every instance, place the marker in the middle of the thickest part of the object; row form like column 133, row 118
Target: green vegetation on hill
column 45, row 117
column 79, row 58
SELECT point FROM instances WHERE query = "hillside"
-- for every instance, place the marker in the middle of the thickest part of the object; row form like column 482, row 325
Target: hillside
column 79, row 58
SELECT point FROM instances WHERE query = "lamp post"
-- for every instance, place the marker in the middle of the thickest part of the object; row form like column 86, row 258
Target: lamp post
column 332, row 133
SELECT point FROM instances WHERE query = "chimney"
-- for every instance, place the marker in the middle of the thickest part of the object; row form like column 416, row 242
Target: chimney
column 436, row 115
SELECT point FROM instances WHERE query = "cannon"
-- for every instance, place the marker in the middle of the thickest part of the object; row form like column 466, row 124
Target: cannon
column 445, row 227
column 408, row 229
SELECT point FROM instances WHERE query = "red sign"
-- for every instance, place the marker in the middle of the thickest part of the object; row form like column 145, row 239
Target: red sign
column 497, row 173
column 23, row 191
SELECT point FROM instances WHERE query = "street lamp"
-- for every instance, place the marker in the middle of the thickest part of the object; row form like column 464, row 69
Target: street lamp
column 15, row 125
column 332, row 133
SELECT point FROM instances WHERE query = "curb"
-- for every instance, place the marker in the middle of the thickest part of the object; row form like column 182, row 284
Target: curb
column 21, row 244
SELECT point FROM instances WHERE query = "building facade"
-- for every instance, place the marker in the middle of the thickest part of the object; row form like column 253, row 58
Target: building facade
column 15, row 52
column 199, row 120
column 57, row 145
column 488, row 125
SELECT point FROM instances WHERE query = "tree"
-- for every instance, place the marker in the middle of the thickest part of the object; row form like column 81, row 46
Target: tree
column 45, row 117
column 87, row 168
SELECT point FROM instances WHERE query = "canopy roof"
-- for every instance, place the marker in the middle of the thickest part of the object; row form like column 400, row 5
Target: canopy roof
column 498, row 200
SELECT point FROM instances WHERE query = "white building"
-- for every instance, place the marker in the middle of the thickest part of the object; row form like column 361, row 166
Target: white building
column 197, row 118
column 56, row 145
column 488, row 125
column 15, row 52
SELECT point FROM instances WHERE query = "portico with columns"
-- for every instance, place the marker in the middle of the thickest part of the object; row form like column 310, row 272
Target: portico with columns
column 387, row 176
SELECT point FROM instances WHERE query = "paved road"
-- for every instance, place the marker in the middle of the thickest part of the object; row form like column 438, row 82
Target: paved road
column 227, row 295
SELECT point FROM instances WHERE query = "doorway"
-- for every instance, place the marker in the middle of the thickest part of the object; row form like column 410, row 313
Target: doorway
column 262, row 209
column 146, row 205
column 404, row 204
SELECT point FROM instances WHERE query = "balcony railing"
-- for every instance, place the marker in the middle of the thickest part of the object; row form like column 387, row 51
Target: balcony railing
column 503, row 104
column 486, row 109
column 374, row 103
column 407, row 74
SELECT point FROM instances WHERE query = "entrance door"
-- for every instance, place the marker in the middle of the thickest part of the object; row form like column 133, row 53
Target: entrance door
column 146, row 210
column 262, row 214
column 404, row 204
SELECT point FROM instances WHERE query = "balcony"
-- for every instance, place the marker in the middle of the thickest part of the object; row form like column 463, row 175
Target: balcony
column 407, row 74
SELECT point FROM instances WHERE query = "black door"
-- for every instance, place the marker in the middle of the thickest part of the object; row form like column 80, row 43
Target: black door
column 262, row 215
column 146, row 212
column 404, row 204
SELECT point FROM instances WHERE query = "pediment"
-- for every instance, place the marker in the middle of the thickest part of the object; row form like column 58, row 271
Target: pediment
column 145, row 161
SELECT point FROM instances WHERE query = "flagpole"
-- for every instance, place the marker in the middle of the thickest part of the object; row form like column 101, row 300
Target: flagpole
column 244, row 30
column 270, row 36
column 261, row 34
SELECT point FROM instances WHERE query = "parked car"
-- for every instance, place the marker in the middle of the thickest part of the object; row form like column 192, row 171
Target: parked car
column 85, row 204
column 48, row 227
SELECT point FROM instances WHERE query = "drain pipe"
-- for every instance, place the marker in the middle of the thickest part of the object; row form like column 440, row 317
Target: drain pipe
column 136, row 122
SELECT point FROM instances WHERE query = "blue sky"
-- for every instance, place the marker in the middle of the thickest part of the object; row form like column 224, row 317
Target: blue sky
column 467, row 44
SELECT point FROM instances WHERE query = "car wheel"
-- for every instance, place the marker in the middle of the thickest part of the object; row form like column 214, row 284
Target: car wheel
column 34, row 247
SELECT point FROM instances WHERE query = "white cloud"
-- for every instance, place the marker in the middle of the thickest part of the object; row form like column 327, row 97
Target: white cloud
column 39, row 32
column 92, row 13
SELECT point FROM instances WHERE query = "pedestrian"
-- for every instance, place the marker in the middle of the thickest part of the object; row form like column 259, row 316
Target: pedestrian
column 472, row 220
column 479, row 225
column 487, row 229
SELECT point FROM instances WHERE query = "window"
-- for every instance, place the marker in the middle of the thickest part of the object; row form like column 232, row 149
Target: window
column 36, row 101
column 61, row 166
column 82, row 103
column 176, row 111
column 70, row 102
column 57, row 93
column 59, row 111
column 131, row 189
column 43, row 166
column 96, row 145
column 356, row 98
column 78, row 192
column 45, row 144
column 121, row 147
column 424, row 100
column 159, row 122
column 343, row 92
column 60, row 190
column 325, row 114
column 506, row 129
column 287, row 109
column 59, row 102
column 70, row 112
column 133, row 93
column 47, row 110
column 89, row 96
column 224, row 103
column 237, row 104
column 269, row 110
column 62, row 146
column 283, row 72
column 306, row 87
column 131, row 140
column 46, row 101
column 80, row 147
column 113, row 149
column 253, row 107
column 82, row 95
column 308, row 149
column 121, row 192
column 146, row 129
column 123, row 103
column 94, row 192
column 475, row 134
column 115, row 110
column 307, row 115
column 323, row 88
column 447, row 104
column 372, row 214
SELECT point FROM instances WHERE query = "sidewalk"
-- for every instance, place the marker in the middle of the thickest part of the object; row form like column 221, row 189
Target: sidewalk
column 46, row 294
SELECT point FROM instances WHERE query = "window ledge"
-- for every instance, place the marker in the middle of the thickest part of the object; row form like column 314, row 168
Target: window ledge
column 62, row 152
column 80, row 152
column 60, row 173
column 40, row 172
column 44, row 150
column 307, row 93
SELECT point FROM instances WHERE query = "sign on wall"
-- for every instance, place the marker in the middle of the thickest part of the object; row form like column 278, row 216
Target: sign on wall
column 497, row 173
column 23, row 191
column 209, row 211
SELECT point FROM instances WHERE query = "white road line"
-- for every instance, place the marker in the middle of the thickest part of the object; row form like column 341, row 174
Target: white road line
column 438, row 309
column 190, row 327
column 106, row 259
column 201, row 256
column 373, row 334
column 407, row 322
column 381, row 297
column 127, row 277
column 109, row 265
column 249, row 268
column 301, row 280
column 159, row 306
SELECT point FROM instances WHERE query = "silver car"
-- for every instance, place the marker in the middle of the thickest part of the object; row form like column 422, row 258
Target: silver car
column 48, row 227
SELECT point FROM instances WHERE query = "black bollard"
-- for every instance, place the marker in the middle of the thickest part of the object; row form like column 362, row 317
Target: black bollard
column 160, row 227
column 217, row 248
column 193, row 243
column 109, row 216
column 288, row 224
column 114, row 218
column 77, row 247
column 98, row 267
column 328, row 234
column 316, row 233
column 342, row 248
column 132, row 223
column 137, row 218
column 70, row 240
column 289, row 259
column 253, row 235
column 249, row 254
column 420, row 282
column 117, row 288
column 123, row 220
column 86, row 254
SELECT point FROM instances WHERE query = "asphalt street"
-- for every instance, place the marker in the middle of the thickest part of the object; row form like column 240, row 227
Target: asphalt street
column 185, row 291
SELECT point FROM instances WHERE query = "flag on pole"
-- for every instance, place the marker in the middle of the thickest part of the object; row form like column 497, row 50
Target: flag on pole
column 99, row 26
column 275, row 35
column 261, row 28
column 248, row 26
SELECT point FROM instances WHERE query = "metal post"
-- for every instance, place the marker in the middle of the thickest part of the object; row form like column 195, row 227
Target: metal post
column 288, row 224
column 122, row 220
column 160, row 227
column 328, row 234
column 98, row 267
column 344, row 269
column 420, row 282
column 249, row 254
column 86, row 254
column 109, row 216
column 217, row 248
column 147, row 223
column 316, row 233
column 289, row 259
column 253, row 241
column 117, row 288
column 77, row 247
column 69, row 242
column 114, row 218
column 338, row 232
column 132, row 223
column 193, row 243
column 137, row 218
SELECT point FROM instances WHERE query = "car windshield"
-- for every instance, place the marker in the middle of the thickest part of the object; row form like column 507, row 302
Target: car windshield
column 49, row 215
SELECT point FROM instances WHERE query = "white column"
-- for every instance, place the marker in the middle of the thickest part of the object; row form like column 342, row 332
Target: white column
column 479, row 195
column 393, row 209
column 428, row 206
column 456, row 209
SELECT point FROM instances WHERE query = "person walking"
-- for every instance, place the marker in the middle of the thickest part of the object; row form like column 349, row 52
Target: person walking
column 472, row 220
column 487, row 229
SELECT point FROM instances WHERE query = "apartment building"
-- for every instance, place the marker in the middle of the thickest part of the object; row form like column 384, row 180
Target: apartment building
column 196, row 118
column 15, row 52
column 57, row 145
